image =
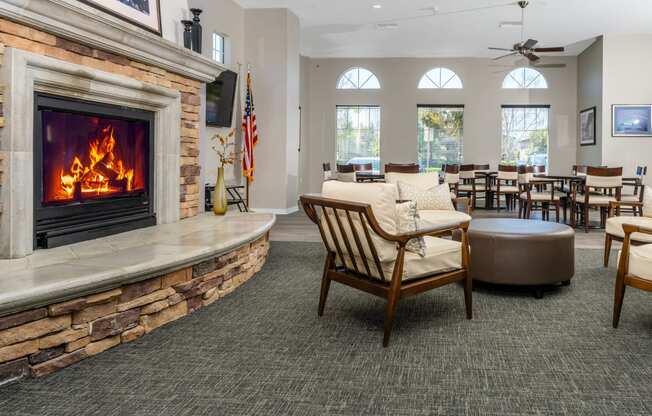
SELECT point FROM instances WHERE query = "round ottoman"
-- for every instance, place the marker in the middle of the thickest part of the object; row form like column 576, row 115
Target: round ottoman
column 521, row 252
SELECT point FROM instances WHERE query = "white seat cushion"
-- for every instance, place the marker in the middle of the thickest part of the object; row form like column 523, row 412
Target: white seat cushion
column 595, row 199
column 436, row 217
column 630, row 198
column 442, row 256
column 640, row 261
column 539, row 196
column 615, row 227
column 506, row 189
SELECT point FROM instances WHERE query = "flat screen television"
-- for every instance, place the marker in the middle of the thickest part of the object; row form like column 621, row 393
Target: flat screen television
column 220, row 99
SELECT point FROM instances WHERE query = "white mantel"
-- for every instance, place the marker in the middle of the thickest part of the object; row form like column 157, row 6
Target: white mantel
column 74, row 20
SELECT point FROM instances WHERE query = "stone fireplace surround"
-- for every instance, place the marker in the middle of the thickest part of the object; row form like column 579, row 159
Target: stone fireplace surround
column 24, row 73
column 62, row 305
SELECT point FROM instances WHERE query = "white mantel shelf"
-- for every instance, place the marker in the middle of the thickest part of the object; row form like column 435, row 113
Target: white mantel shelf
column 58, row 274
column 77, row 21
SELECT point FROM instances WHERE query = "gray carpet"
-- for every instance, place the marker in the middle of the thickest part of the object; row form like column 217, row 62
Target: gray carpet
column 262, row 351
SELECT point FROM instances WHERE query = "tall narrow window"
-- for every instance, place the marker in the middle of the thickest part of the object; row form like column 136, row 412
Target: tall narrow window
column 440, row 130
column 525, row 135
column 358, row 135
column 218, row 48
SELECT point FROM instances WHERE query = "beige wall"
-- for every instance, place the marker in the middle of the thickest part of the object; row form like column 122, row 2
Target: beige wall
column 482, row 96
column 272, row 48
column 627, row 63
column 172, row 12
column 589, row 94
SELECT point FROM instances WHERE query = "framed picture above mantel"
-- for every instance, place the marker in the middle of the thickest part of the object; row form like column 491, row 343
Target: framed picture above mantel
column 143, row 13
column 631, row 120
column 587, row 127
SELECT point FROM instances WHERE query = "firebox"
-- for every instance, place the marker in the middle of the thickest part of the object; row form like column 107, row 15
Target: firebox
column 93, row 170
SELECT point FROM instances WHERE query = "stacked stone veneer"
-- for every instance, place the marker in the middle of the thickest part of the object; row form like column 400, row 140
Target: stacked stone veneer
column 22, row 37
column 40, row 341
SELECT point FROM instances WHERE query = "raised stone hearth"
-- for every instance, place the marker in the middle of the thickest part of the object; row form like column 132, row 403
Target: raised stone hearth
column 63, row 305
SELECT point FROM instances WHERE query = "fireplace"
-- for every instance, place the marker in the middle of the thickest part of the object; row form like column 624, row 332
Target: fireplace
column 93, row 170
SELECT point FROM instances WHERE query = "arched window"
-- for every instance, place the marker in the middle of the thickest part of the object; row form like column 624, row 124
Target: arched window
column 358, row 79
column 440, row 78
column 521, row 78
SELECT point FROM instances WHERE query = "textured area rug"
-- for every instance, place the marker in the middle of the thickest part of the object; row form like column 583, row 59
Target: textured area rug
column 263, row 351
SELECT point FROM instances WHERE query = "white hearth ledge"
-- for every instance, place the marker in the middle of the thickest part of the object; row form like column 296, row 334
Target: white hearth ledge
column 68, row 272
column 74, row 20
column 24, row 73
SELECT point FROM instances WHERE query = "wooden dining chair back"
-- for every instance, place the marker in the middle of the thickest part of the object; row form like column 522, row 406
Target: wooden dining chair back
column 355, row 241
column 346, row 173
column 345, row 168
column 362, row 167
column 469, row 185
column 402, row 168
column 328, row 172
column 484, row 166
column 536, row 195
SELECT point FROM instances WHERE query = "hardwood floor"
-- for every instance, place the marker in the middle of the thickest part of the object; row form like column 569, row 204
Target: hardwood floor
column 297, row 227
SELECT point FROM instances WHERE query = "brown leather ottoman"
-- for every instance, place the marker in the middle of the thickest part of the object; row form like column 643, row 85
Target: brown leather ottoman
column 522, row 252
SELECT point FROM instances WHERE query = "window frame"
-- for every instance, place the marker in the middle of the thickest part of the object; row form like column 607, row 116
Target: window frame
column 522, row 83
column 337, row 128
column 440, row 87
column 443, row 106
column 221, row 52
column 525, row 107
column 358, row 87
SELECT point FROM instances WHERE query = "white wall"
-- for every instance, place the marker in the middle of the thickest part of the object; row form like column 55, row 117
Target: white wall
column 482, row 96
column 227, row 18
column 172, row 12
column 272, row 48
column 627, row 63
column 589, row 94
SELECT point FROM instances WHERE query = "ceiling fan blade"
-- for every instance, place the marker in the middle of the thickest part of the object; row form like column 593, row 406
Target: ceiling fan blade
column 529, row 44
column 505, row 56
column 550, row 66
column 532, row 57
column 501, row 49
column 557, row 49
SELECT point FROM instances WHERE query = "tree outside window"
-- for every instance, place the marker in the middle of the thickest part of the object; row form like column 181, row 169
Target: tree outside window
column 525, row 135
column 440, row 132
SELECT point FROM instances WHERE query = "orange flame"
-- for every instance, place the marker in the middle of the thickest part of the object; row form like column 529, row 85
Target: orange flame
column 102, row 175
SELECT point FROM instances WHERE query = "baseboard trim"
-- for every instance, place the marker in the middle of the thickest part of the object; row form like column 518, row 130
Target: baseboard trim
column 276, row 211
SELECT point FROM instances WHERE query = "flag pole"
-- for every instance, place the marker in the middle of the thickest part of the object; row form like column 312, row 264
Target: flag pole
column 249, row 67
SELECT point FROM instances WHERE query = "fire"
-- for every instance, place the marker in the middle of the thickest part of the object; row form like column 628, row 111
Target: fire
column 102, row 174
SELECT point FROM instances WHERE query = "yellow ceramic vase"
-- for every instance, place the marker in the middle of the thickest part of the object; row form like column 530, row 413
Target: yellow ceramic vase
column 220, row 204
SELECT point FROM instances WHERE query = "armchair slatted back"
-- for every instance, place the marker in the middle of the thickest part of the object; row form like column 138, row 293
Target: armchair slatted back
column 402, row 168
column 350, row 231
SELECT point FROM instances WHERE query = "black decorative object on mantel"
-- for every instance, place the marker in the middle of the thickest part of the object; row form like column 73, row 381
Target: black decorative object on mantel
column 196, row 30
column 187, row 33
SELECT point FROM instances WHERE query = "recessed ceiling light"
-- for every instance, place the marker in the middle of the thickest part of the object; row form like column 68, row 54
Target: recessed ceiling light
column 377, row 6
column 510, row 24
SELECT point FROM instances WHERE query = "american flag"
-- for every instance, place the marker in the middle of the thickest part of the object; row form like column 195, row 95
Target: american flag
column 250, row 133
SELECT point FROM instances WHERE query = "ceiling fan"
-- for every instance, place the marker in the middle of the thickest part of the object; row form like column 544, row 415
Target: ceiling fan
column 527, row 48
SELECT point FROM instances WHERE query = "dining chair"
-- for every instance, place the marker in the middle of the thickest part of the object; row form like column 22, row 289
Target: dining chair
column 507, row 185
column 469, row 184
column 346, row 173
column 601, row 187
column 635, row 191
column 328, row 172
column 536, row 195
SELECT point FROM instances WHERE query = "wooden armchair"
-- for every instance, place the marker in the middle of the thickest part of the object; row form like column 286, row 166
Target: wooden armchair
column 614, row 226
column 634, row 269
column 506, row 184
column 601, row 187
column 536, row 195
column 358, row 248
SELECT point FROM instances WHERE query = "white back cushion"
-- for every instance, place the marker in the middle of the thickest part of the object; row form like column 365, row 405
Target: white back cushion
column 647, row 202
column 452, row 178
column 508, row 176
column 346, row 177
column 382, row 198
column 604, row 181
column 420, row 180
column 433, row 197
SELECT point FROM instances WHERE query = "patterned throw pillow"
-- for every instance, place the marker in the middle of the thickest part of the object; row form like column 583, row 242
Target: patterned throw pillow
column 408, row 221
column 437, row 197
column 647, row 202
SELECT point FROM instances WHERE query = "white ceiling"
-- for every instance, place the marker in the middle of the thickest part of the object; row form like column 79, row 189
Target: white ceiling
column 348, row 28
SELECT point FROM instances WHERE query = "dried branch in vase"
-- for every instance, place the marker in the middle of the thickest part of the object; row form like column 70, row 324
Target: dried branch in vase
column 224, row 146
